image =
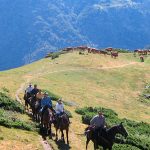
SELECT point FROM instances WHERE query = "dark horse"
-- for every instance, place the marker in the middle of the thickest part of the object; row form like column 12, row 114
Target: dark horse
column 27, row 101
column 62, row 123
column 107, row 137
column 47, row 119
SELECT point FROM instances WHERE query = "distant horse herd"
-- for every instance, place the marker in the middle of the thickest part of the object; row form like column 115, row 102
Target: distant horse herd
column 142, row 52
column 106, row 51
column 106, row 140
column 113, row 52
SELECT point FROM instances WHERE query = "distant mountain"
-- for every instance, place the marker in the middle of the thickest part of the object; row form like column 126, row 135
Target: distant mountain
column 29, row 28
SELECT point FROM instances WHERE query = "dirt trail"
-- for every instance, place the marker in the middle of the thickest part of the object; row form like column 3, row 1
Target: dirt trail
column 32, row 75
column 44, row 143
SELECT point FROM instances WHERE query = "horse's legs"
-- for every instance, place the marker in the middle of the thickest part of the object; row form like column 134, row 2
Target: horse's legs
column 87, row 142
column 50, row 131
column 67, row 135
column 95, row 145
column 62, row 135
column 56, row 134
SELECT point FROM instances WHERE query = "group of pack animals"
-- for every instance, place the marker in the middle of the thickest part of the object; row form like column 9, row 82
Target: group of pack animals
column 142, row 52
column 106, row 139
column 107, row 51
column 47, row 118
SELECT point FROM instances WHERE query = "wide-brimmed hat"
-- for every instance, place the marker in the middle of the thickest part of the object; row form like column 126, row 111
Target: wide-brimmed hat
column 60, row 99
column 100, row 112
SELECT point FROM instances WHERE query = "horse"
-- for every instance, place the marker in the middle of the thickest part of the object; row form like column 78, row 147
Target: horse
column 114, row 54
column 107, row 137
column 35, row 108
column 47, row 119
column 62, row 123
column 27, row 101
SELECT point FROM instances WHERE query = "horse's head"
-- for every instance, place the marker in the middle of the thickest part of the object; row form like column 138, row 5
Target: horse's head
column 122, row 130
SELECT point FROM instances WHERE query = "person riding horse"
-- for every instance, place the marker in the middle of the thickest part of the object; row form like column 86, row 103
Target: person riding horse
column 27, row 95
column 46, row 102
column 34, row 91
column 28, row 91
column 59, row 109
column 61, row 120
column 98, row 123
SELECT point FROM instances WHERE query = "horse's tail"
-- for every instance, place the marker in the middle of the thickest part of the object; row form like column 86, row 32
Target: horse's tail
column 86, row 128
column 86, row 131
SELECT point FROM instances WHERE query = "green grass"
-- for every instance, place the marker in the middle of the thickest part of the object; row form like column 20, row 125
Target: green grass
column 146, row 92
column 85, row 80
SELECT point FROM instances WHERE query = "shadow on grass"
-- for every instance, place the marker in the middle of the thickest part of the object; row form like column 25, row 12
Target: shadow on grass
column 62, row 146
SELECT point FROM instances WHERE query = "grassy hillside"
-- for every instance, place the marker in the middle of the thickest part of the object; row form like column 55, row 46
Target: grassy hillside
column 87, row 80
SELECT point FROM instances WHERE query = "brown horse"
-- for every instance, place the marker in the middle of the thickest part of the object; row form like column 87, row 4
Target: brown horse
column 62, row 123
column 47, row 119
column 26, row 99
column 106, row 137
column 114, row 54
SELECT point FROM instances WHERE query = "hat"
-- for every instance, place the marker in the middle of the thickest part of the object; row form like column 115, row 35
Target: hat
column 45, row 93
column 60, row 99
column 100, row 112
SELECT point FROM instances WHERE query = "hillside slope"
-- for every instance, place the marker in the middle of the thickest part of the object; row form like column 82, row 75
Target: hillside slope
column 87, row 80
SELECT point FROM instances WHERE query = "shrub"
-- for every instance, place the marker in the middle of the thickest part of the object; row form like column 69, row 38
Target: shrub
column 55, row 55
column 68, row 113
column 8, row 120
column 81, row 53
column 5, row 89
column 9, row 104
column 145, row 96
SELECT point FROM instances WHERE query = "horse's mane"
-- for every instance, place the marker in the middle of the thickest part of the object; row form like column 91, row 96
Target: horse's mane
column 111, row 128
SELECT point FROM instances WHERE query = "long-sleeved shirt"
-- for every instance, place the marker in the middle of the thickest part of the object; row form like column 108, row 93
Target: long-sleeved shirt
column 98, row 121
column 29, row 89
column 34, row 91
column 46, row 101
column 59, row 108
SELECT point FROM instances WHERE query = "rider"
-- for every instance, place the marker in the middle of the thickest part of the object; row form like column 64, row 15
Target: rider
column 99, row 124
column 45, row 102
column 59, row 108
column 35, row 90
column 28, row 90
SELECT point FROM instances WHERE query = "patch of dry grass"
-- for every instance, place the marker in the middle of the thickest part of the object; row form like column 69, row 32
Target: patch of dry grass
column 13, row 139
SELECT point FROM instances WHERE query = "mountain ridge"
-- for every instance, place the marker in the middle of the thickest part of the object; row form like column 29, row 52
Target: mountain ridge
column 29, row 30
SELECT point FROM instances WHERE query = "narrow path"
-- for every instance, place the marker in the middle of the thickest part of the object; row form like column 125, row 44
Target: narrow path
column 44, row 143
